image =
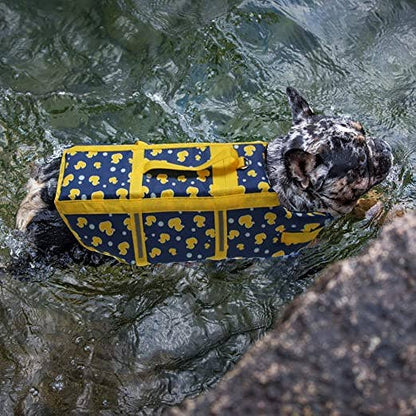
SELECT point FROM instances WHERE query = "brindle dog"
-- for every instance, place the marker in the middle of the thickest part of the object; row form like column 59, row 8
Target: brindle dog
column 323, row 164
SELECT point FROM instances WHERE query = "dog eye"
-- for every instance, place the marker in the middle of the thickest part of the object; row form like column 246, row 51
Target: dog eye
column 362, row 158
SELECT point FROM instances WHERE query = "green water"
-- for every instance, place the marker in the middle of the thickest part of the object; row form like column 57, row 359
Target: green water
column 124, row 340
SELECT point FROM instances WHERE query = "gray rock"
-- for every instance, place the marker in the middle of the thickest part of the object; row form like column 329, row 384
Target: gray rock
column 346, row 347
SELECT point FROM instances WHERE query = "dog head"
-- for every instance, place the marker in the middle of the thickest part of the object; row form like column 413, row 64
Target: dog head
column 324, row 163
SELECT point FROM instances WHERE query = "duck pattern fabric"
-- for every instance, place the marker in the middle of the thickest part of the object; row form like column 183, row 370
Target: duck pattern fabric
column 172, row 203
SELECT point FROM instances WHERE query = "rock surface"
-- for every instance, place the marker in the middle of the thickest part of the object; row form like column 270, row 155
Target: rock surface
column 346, row 347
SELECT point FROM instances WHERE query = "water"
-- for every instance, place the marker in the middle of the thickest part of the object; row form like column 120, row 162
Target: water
column 121, row 340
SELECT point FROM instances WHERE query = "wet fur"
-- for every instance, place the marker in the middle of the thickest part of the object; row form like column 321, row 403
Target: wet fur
column 322, row 164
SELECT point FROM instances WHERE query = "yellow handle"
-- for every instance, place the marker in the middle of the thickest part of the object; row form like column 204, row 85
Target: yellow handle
column 229, row 157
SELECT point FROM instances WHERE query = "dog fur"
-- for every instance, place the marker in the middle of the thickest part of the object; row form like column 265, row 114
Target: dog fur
column 323, row 164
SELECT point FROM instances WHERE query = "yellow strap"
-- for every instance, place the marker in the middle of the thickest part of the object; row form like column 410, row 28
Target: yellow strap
column 225, row 182
column 227, row 157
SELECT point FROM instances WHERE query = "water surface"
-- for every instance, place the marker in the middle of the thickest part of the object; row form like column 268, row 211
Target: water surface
column 125, row 340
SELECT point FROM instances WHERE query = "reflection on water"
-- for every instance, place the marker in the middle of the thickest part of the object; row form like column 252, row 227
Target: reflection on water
column 128, row 340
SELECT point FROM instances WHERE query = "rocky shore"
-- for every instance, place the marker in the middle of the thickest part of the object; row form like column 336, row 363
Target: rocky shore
column 346, row 347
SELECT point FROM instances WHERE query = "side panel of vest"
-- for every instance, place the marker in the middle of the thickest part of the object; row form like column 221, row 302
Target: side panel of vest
column 164, row 237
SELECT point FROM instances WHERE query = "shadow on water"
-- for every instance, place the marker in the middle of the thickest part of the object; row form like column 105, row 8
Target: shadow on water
column 122, row 340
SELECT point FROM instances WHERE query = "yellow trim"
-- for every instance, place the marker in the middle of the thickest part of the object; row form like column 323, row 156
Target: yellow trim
column 221, row 233
column 193, row 144
column 134, row 235
column 168, row 204
column 130, row 147
column 60, row 177
column 140, row 260
column 136, row 178
column 299, row 238
column 103, row 148
column 225, row 183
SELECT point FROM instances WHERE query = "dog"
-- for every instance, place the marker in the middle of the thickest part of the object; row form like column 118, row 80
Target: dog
column 323, row 164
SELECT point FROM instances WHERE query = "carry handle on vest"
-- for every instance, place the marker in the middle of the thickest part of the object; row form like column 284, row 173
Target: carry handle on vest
column 228, row 158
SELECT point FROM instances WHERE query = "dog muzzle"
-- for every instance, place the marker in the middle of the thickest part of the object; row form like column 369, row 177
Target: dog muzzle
column 168, row 203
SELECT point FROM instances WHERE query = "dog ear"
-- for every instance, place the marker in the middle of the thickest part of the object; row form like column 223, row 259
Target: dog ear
column 300, row 165
column 300, row 108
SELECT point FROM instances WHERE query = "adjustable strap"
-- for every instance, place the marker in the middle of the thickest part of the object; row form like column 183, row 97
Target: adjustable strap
column 137, row 192
column 224, row 162
column 227, row 158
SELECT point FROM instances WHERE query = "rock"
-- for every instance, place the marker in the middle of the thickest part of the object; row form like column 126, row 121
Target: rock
column 346, row 347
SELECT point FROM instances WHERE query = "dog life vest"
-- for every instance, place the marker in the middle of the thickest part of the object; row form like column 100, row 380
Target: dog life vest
column 167, row 203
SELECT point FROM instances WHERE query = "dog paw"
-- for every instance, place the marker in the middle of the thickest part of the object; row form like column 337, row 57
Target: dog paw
column 30, row 205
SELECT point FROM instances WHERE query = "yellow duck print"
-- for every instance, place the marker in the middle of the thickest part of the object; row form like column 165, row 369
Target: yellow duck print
column 67, row 179
column 182, row 155
column 145, row 190
column 155, row 252
column 106, row 227
column 127, row 223
column 270, row 217
column 163, row 238
column 156, row 152
column 191, row 243
column 246, row 220
column 240, row 246
column 182, row 178
column 210, row 232
column 150, row 219
column 80, row 165
column 115, row 159
column 192, row 191
column 97, row 165
column 123, row 247
column 260, row 238
column 74, row 193
column 280, row 229
column 94, row 179
column 202, row 175
column 97, row 195
column 233, row 234
column 252, row 173
column 122, row 193
column 288, row 214
column 113, row 180
column 172, row 251
column 96, row 241
column 249, row 150
column 176, row 223
column 90, row 155
column 199, row 220
column 167, row 193
column 263, row 186
column 81, row 222
column 162, row 178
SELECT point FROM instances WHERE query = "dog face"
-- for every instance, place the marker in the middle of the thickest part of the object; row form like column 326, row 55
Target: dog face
column 325, row 163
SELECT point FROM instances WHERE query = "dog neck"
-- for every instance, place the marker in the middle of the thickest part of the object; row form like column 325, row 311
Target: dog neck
column 290, row 196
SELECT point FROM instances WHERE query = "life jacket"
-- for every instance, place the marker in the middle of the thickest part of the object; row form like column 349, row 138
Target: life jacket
column 164, row 203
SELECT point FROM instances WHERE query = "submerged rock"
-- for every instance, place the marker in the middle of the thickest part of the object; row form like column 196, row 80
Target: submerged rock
column 348, row 346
